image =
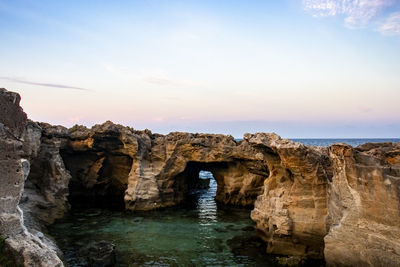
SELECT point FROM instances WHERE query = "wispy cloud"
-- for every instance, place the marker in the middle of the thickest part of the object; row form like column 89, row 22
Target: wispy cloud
column 63, row 86
column 356, row 13
column 157, row 77
column 391, row 26
column 157, row 80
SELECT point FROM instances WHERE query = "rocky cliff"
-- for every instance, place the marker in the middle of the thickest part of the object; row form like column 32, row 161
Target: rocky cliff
column 22, row 245
column 363, row 206
column 292, row 211
column 339, row 202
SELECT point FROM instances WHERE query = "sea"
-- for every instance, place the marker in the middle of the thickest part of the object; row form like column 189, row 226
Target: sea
column 350, row 141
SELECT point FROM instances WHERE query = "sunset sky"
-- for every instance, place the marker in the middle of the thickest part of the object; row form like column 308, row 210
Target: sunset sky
column 307, row 68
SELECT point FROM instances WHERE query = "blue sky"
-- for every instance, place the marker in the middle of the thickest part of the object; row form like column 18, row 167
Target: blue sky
column 307, row 68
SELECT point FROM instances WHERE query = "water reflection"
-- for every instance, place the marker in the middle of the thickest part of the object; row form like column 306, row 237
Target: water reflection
column 196, row 234
column 206, row 205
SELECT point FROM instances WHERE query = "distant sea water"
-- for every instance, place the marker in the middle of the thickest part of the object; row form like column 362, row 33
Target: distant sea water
column 350, row 141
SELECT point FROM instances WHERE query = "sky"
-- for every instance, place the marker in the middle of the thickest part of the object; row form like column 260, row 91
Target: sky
column 305, row 69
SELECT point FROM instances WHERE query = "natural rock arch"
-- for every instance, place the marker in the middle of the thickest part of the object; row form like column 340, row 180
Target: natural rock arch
column 345, row 196
column 166, row 168
column 236, row 185
column 286, row 181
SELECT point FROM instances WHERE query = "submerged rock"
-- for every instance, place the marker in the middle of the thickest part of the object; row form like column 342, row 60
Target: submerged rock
column 99, row 254
column 290, row 261
column 250, row 246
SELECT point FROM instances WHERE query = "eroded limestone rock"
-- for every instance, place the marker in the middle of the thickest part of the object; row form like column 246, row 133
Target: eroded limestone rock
column 148, row 171
column 364, row 206
column 295, row 185
column 24, row 247
column 46, row 189
column 339, row 202
column 292, row 211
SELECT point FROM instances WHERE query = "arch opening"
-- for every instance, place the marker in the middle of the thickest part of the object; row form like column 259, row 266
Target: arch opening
column 235, row 182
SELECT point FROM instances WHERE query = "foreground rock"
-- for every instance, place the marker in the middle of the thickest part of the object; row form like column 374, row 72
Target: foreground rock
column 24, row 247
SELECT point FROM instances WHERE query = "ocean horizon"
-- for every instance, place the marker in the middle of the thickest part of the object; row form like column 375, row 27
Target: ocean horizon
column 330, row 141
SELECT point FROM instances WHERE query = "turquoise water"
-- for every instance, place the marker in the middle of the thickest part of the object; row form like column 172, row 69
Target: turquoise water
column 196, row 234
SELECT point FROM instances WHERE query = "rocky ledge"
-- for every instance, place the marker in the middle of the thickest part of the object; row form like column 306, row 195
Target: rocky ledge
column 339, row 203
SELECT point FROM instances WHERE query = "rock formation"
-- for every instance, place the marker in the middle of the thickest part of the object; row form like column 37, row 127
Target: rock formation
column 337, row 202
column 150, row 171
column 363, row 206
column 292, row 211
column 26, row 248
column 46, row 189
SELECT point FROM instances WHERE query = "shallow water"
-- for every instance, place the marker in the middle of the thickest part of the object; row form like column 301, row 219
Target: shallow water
column 196, row 234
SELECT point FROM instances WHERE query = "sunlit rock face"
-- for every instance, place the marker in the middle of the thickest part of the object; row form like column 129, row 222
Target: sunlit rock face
column 363, row 206
column 23, row 246
column 297, row 191
column 172, row 163
column 292, row 211
column 339, row 202
column 113, row 163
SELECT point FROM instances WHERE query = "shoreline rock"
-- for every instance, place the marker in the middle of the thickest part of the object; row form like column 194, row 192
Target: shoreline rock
column 337, row 202
column 24, row 247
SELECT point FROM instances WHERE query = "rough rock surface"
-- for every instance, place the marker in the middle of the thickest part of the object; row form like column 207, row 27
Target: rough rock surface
column 26, row 248
column 46, row 189
column 339, row 202
column 150, row 171
column 295, row 185
column 292, row 211
column 170, row 166
column 364, row 206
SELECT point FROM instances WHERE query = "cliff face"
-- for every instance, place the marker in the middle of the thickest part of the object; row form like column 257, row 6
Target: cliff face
column 45, row 193
column 363, row 205
column 292, row 211
column 339, row 202
column 25, row 248
column 149, row 171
